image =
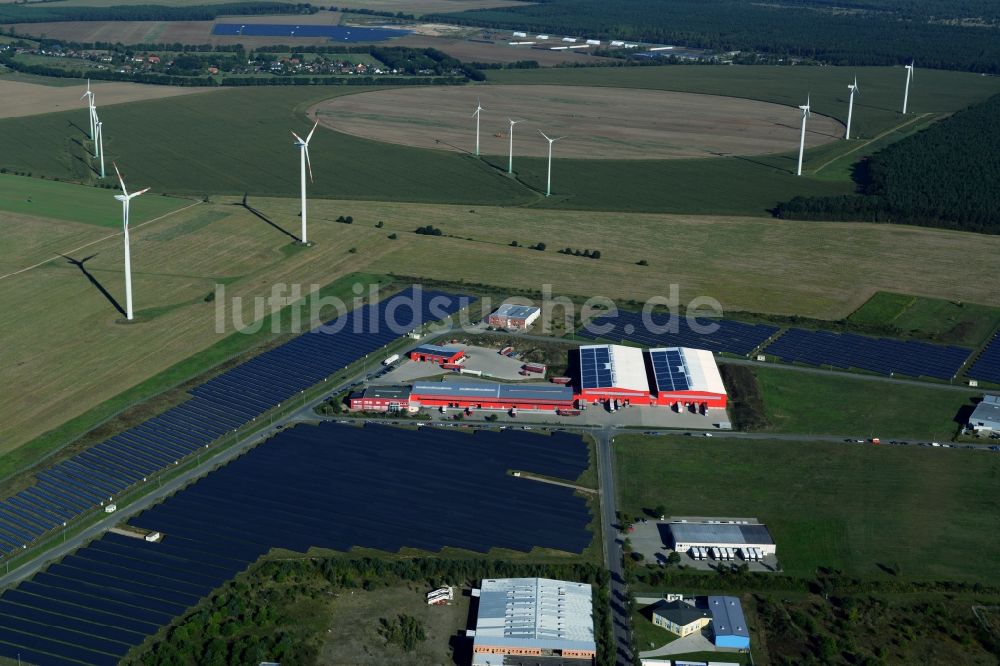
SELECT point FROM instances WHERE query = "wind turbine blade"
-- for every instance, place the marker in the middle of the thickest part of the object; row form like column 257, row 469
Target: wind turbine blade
column 558, row 138
column 308, row 163
column 120, row 180
column 545, row 135
column 298, row 138
column 310, row 135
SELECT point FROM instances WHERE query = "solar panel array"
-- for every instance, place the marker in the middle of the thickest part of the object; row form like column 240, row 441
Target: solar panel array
column 884, row 356
column 329, row 486
column 595, row 368
column 337, row 32
column 221, row 405
column 987, row 366
column 669, row 369
column 733, row 337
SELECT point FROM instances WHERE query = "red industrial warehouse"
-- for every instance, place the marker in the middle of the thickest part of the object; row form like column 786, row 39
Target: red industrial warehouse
column 437, row 354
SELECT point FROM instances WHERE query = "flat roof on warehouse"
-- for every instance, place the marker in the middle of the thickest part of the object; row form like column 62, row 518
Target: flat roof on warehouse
column 613, row 366
column 685, row 369
column 492, row 390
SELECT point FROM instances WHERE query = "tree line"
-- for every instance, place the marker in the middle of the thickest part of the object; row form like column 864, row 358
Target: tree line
column 258, row 616
column 945, row 176
column 806, row 29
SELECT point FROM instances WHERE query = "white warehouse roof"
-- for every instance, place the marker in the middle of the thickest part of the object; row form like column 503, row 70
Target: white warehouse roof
column 535, row 612
column 613, row 366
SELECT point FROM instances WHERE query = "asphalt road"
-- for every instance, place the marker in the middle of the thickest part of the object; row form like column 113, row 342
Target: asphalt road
column 620, row 620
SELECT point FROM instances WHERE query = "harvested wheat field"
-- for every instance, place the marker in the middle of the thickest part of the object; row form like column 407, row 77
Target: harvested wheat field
column 30, row 99
column 598, row 123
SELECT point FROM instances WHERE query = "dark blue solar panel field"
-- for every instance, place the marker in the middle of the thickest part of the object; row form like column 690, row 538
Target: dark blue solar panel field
column 733, row 337
column 337, row 33
column 328, row 486
column 987, row 366
column 221, row 405
column 884, row 356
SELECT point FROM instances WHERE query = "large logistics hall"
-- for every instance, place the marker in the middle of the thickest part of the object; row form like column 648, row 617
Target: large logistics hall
column 534, row 617
column 672, row 376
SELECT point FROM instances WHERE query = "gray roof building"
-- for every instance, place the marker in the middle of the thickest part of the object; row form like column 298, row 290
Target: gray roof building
column 385, row 392
column 727, row 534
column 552, row 617
column 986, row 416
column 495, row 391
column 680, row 612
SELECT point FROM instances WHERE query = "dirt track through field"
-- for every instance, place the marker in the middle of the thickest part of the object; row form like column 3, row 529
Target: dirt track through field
column 598, row 123
column 28, row 99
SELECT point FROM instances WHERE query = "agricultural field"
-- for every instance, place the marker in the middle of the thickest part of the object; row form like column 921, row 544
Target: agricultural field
column 476, row 49
column 860, row 509
column 597, row 123
column 170, row 32
column 199, row 145
column 177, row 262
column 25, row 97
column 948, row 322
column 860, row 407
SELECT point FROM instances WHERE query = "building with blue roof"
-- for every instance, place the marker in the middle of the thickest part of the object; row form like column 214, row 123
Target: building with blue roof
column 729, row 626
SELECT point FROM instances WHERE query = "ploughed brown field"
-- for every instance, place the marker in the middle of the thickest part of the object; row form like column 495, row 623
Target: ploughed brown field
column 29, row 99
column 597, row 122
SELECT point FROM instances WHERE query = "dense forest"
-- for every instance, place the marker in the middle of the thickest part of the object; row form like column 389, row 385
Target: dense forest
column 44, row 12
column 886, row 32
column 946, row 176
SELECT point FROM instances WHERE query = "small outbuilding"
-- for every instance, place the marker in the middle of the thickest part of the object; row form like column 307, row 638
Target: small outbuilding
column 680, row 617
column 729, row 626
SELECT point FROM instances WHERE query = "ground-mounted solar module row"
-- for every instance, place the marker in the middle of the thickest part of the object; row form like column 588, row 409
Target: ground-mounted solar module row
column 717, row 335
column 333, row 32
column 224, row 403
column 329, row 486
column 987, row 366
column 884, row 356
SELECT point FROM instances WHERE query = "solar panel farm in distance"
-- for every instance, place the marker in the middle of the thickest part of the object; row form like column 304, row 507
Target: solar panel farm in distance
column 727, row 335
column 987, row 366
column 222, row 404
column 883, row 356
column 327, row 486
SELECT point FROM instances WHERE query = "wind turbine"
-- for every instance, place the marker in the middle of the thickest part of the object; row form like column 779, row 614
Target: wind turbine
column 125, row 198
column 304, row 158
column 510, row 158
column 477, row 113
column 906, row 93
column 548, row 182
column 93, row 121
column 853, row 87
column 100, row 143
column 806, row 111
column 90, row 108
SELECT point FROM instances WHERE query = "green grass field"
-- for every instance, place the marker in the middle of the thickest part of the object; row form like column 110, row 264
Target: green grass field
column 90, row 205
column 833, row 404
column 952, row 322
column 851, row 507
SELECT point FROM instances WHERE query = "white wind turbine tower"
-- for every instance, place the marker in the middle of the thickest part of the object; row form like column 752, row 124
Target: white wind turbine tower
column 906, row 93
column 510, row 158
column 806, row 110
column 93, row 121
column 100, row 143
column 304, row 159
column 853, row 87
column 477, row 113
column 125, row 197
column 90, row 108
column 548, row 182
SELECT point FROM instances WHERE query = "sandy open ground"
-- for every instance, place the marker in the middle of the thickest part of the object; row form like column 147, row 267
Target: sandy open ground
column 598, row 123
column 29, row 99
